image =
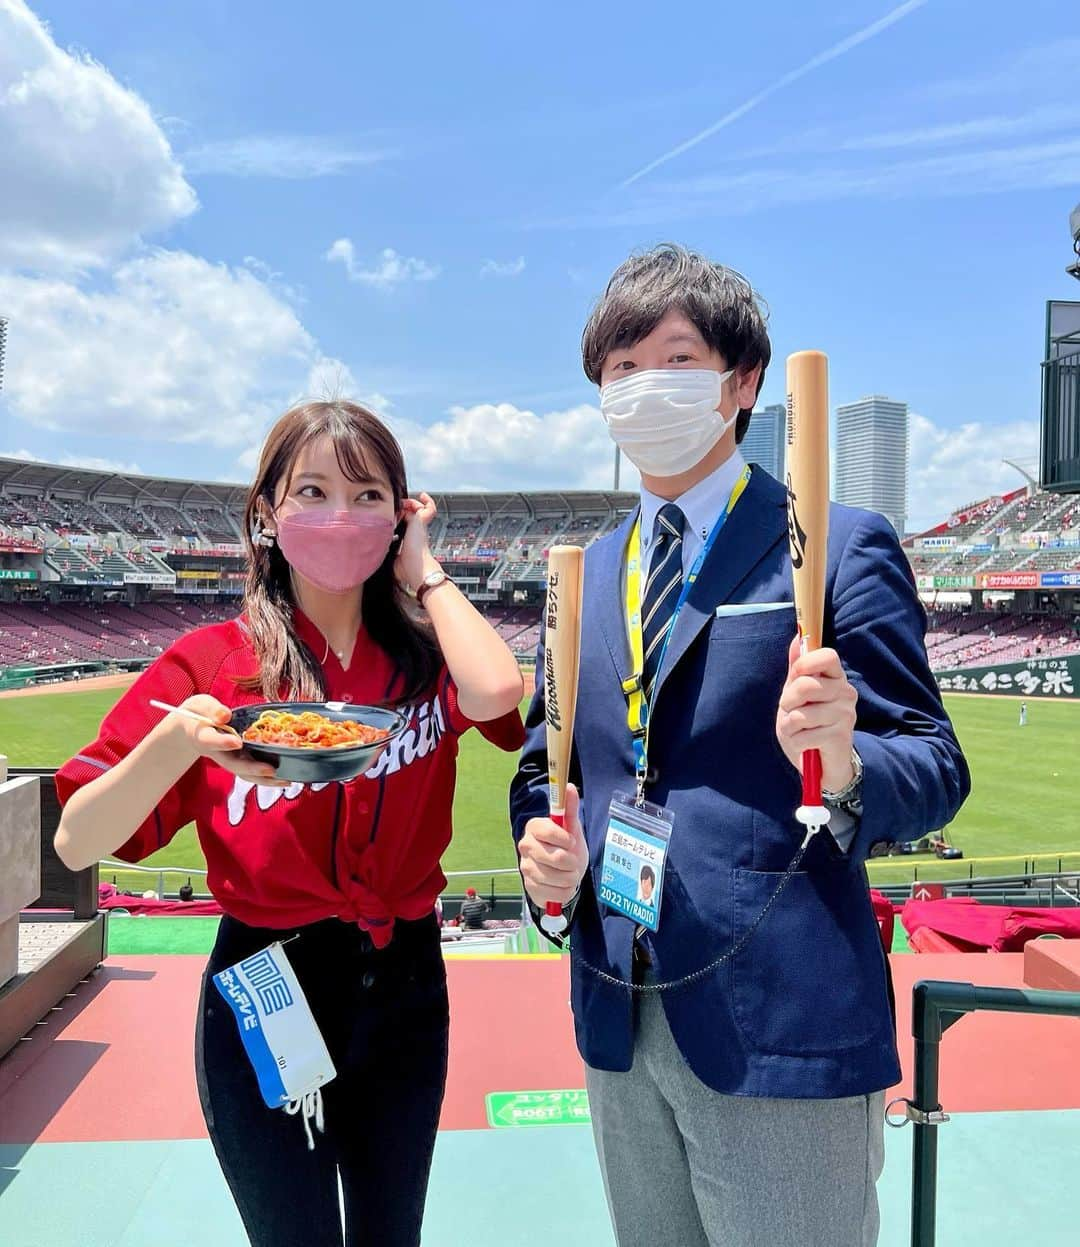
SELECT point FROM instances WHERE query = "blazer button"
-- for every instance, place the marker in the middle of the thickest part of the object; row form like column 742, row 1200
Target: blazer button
column 368, row 980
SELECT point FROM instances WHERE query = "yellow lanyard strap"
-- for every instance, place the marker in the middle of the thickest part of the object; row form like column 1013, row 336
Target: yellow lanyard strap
column 637, row 709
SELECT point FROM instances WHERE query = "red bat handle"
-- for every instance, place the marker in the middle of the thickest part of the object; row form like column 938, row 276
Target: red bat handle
column 811, row 777
column 553, row 908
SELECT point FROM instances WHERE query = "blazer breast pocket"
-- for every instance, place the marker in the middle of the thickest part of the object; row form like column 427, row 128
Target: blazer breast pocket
column 752, row 621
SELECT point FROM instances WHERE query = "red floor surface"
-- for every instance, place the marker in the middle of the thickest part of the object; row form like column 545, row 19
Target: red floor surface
column 116, row 1062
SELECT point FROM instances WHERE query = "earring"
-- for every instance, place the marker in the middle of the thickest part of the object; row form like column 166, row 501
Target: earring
column 259, row 535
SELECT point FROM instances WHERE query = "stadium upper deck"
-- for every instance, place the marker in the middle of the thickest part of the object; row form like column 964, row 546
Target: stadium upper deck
column 75, row 526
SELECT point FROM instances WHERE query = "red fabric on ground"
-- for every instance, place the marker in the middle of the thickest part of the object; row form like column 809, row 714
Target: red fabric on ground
column 886, row 918
column 1000, row 928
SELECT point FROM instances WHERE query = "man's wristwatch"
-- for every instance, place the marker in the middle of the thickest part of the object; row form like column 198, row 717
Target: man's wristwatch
column 428, row 583
column 849, row 798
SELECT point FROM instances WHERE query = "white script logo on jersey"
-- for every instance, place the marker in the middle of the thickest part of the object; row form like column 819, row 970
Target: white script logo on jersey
column 426, row 728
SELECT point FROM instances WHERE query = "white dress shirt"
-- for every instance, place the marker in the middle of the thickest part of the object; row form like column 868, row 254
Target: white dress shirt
column 701, row 505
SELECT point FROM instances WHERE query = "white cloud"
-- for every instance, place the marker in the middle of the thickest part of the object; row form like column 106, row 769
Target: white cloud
column 950, row 467
column 509, row 268
column 500, row 446
column 173, row 347
column 327, row 379
column 390, row 269
column 77, row 461
column 277, row 156
column 86, row 168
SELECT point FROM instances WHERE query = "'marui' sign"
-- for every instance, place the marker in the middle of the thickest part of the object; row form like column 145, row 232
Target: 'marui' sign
column 1038, row 677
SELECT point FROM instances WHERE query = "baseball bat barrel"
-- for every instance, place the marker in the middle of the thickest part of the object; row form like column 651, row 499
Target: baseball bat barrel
column 808, row 526
column 562, row 656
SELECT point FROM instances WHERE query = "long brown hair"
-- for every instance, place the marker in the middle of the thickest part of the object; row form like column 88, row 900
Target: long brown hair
column 365, row 448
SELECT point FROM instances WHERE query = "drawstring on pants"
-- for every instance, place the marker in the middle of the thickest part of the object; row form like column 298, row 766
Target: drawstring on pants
column 311, row 1105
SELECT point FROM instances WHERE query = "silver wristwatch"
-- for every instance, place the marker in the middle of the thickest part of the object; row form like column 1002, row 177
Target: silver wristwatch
column 849, row 798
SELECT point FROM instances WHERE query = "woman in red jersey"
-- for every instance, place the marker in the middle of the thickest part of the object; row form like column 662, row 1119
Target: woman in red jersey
column 344, row 602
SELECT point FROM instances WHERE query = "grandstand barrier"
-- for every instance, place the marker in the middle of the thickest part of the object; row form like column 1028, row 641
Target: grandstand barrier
column 26, row 677
column 937, row 1006
column 61, row 934
column 902, row 870
column 1057, row 679
column 16, row 677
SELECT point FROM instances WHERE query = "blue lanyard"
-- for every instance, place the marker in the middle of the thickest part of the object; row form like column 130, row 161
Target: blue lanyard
column 637, row 706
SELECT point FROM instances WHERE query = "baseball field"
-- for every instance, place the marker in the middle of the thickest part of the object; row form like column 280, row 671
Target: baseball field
column 1023, row 809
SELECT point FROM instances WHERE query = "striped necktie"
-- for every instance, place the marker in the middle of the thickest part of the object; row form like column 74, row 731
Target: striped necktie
column 662, row 590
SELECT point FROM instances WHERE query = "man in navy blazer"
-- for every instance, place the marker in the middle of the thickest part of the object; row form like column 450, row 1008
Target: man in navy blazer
column 736, row 1056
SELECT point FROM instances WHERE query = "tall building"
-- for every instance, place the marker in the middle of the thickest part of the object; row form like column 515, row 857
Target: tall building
column 764, row 440
column 872, row 457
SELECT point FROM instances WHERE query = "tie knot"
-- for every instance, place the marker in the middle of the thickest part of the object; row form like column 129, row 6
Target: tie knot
column 669, row 522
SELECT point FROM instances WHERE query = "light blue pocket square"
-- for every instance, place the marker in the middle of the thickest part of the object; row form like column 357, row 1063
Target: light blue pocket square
column 727, row 609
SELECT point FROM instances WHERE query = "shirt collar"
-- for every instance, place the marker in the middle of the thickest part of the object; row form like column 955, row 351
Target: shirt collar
column 701, row 504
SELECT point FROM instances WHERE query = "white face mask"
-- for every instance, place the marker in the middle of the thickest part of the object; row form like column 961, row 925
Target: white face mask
column 666, row 420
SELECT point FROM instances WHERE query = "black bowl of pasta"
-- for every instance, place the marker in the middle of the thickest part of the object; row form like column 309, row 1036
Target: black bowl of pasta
column 316, row 742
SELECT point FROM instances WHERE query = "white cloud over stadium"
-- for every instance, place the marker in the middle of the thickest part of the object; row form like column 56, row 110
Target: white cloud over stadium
column 87, row 169
column 154, row 345
column 501, row 446
column 951, row 467
column 172, row 348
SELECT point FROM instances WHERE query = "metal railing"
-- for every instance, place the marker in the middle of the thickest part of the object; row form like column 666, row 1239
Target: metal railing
column 937, row 1006
column 191, row 872
column 1046, row 888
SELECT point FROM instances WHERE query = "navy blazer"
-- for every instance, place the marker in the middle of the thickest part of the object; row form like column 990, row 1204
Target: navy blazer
column 803, row 1009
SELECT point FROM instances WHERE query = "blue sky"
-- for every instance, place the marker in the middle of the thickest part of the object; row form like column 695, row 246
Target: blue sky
column 218, row 208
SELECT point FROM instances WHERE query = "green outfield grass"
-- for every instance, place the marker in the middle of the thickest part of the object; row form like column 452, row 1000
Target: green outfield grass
column 1023, row 802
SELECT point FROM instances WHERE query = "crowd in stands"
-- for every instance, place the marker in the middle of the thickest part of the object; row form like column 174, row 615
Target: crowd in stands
column 1028, row 530
column 106, row 539
column 49, row 634
column 46, row 634
column 981, row 638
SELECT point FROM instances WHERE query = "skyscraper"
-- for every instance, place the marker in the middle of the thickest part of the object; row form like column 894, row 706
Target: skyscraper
column 872, row 457
column 764, row 440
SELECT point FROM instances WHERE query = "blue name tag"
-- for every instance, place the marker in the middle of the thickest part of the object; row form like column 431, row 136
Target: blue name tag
column 635, row 850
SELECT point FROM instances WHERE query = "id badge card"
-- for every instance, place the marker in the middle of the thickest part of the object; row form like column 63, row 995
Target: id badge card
column 635, row 851
column 284, row 1045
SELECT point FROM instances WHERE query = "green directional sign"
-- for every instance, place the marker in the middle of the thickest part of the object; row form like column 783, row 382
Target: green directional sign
column 538, row 1108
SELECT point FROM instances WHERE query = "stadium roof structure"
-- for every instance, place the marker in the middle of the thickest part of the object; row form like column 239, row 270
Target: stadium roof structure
column 34, row 478
column 30, row 476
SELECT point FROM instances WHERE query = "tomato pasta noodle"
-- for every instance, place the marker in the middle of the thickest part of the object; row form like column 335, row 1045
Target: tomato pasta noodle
column 310, row 731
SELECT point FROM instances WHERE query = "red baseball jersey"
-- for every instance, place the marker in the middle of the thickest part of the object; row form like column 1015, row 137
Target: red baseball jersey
column 367, row 851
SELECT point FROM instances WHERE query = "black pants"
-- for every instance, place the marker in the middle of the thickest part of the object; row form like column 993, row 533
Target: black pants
column 384, row 1017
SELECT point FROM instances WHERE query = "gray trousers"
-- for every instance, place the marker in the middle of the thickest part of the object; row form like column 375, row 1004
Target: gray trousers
column 685, row 1166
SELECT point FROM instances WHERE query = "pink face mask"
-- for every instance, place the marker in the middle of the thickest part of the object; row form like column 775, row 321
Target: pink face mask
column 336, row 551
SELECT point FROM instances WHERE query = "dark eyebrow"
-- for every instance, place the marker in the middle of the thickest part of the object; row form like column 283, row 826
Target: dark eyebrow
column 321, row 476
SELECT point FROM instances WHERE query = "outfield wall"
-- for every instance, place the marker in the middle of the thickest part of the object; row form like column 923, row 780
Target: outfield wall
column 1054, row 678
